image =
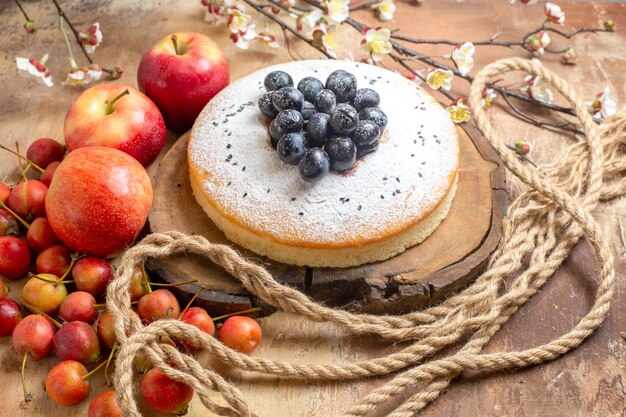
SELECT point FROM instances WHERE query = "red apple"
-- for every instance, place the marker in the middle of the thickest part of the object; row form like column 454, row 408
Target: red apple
column 181, row 73
column 79, row 306
column 14, row 257
column 99, row 200
column 198, row 317
column 159, row 304
column 45, row 292
column 54, row 260
column 116, row 116
column 10, row 316
column 77, row 341
column 106, row 329
column 44, row 151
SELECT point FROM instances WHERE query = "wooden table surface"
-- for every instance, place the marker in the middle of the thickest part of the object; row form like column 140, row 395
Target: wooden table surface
column 589, row 381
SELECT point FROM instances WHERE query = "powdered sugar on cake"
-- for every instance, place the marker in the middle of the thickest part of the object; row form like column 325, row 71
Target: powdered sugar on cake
column 388, row 191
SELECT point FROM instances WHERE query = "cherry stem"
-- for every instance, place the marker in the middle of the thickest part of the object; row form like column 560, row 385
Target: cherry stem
column 27, row 396
column 33, row 309
column 175, row 284
column 53, row 281
column 236, row 313
column 14, row 214
column 108, row 362
column 75, row 257
column 175, row 42
column 22, row 10
column 145, row 277
column 94, row 370
column 191, row 301
column 115, row 100
column 20, row 156
column 19, row 162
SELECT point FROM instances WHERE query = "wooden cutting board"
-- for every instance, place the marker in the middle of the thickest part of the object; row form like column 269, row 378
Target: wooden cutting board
column 445, row 262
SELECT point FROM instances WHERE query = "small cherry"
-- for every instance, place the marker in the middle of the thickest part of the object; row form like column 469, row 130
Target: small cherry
column 48, row 173
column 106, row 329
column 79, row 306
column 32, row 339
column 67, row 384
column 77, row 341
column 139, row 284
column 157, row 305
column 241, row 333
column 44, row 151
column 28, row 199
column 54, row 260
column 45, row 293
column 40, row 235
column 197, row 316
column 5, row 192
column 10, row 316
column 104, row 405
column 14, row 257
column 92, row 275
column 8, row 224
column 164, row 394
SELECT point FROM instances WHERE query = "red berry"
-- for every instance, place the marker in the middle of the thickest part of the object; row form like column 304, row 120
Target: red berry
column 65, row 384
column 104, row 405
column 8, row 224
column 241, row 333
column 33, row 335
column 44, row 151
column 40, row 235
column 14, row 257
column 79, row 306
column 48, row 173
column 138, row 284
column 157, row 305
column 28, row 199
column 198, row 317
column 164, row 394
column 10, row 316
column 5, row 192
column 77, row 341
column 92, row 274
column 54, row 260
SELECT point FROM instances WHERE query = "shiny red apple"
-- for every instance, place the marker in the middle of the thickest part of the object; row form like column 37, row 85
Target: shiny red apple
column 99, row 200
column 116, row 116
column 181, row 73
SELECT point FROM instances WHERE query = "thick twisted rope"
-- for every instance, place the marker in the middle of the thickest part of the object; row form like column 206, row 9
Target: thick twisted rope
column 541, row 227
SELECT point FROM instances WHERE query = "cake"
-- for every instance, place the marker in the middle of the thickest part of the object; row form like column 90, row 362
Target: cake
column 392, row 199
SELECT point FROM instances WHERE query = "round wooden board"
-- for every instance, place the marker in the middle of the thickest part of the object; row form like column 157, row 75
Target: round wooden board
column 445, row 262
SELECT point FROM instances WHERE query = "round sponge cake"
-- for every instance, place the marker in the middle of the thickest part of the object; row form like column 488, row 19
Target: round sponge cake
column 391, row 200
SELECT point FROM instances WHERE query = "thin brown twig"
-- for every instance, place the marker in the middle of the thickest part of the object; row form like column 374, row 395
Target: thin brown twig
column 283, row 25
column 76, row 33
column 521, row 155
column 22, row 10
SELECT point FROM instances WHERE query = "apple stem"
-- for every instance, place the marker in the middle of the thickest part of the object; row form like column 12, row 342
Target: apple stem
column 33, row 309
column 175, row 42
column 175, row 284
column 115, row 100
column 191, row 301
column 108, row 362
column 34, row 165
column 94, row 370
column 27, row 395
column 236, row 313
column 12, row 213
